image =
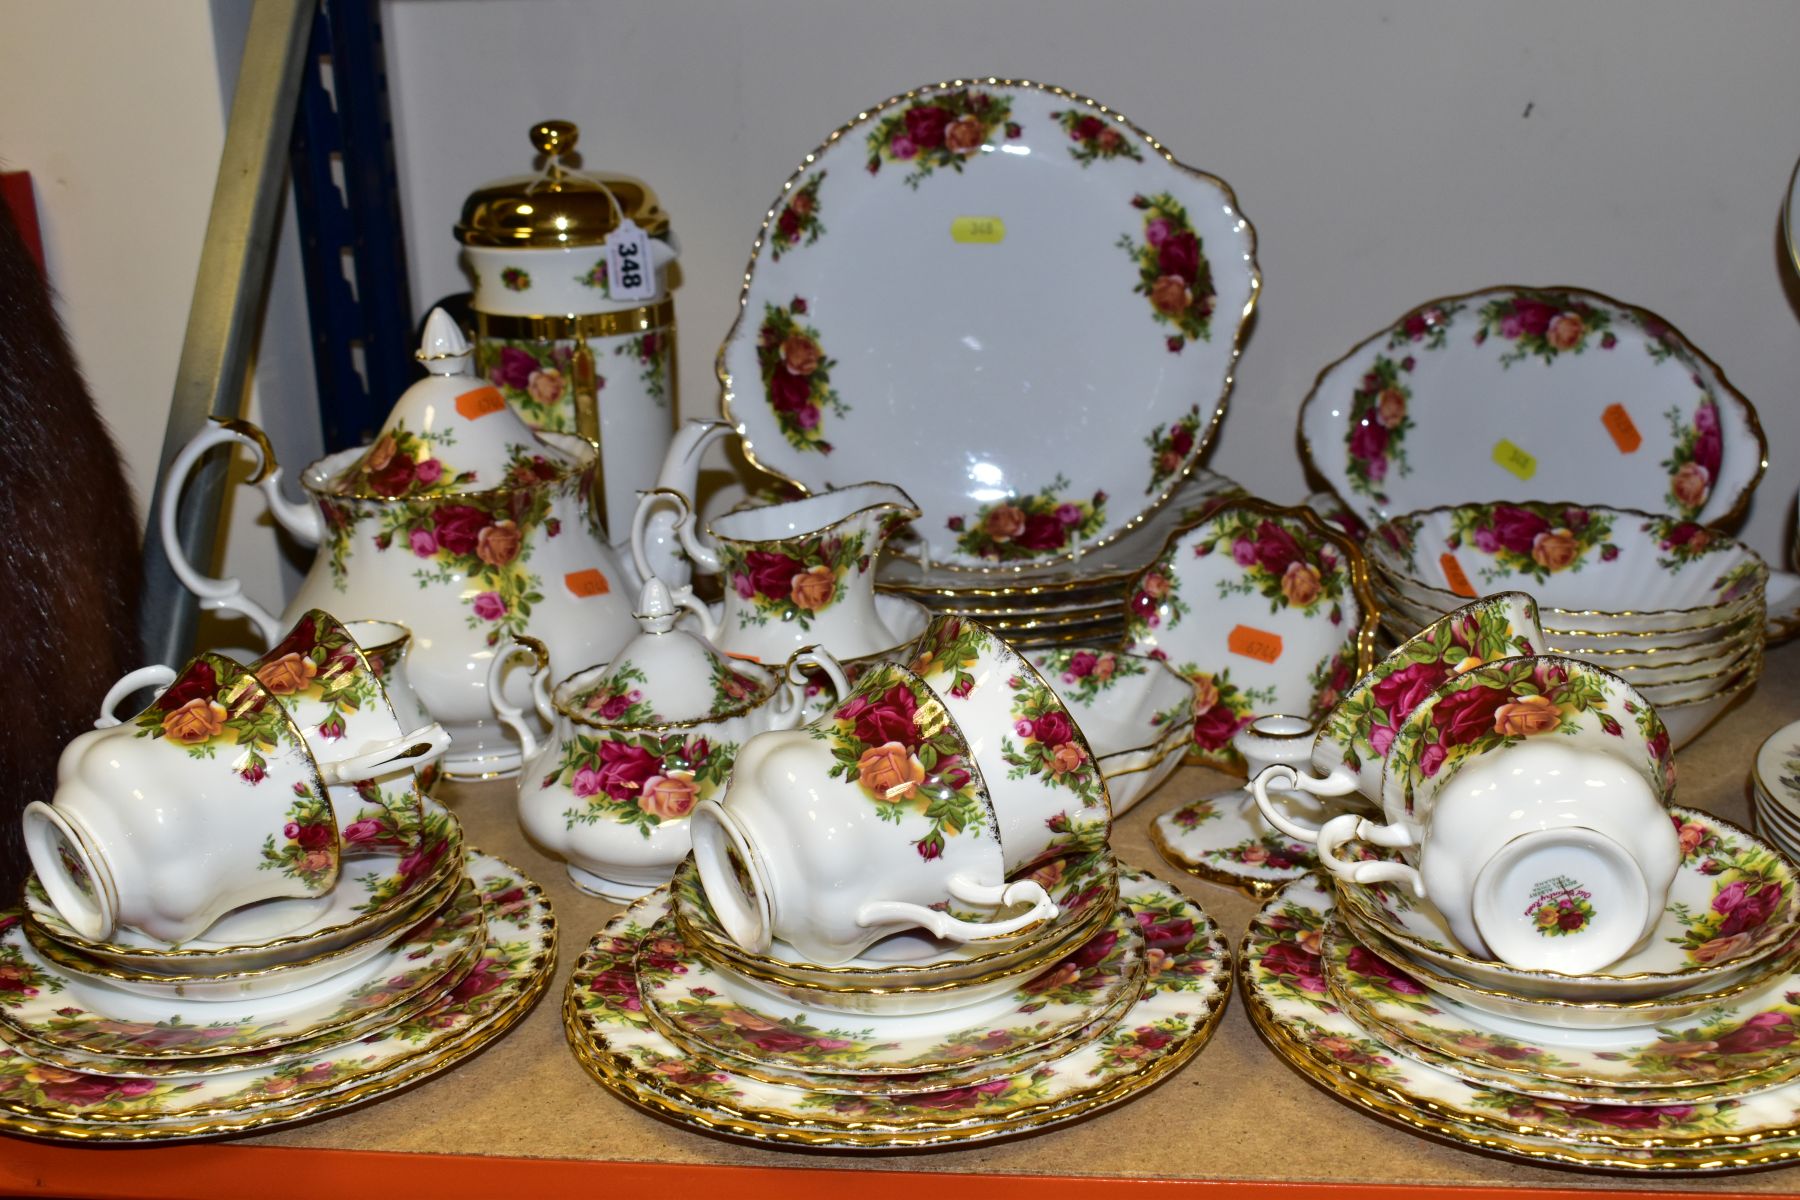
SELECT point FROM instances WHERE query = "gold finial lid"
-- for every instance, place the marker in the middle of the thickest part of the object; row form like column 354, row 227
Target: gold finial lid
column 558, row 206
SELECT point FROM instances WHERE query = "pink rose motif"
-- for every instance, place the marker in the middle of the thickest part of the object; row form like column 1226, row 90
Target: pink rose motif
column 1382, row 738
column 1068, row 514
column 358, row 833
column 429, row 472
column 1431, row 759
column 740, row 583
column 807, row 416
column 1370, row 965
column 1745, row 910
column 1285, row 959
column 1052, row 729
column 586, row 782
column 904, row 148
column 1407, row 688
column 1157, row 231
column 1243, row 552
column 1081, row 663
column 424, row 542
column 1706, row 418
column 489, row 606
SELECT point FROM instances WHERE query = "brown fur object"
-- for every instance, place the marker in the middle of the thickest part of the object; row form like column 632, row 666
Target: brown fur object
column 70, row 558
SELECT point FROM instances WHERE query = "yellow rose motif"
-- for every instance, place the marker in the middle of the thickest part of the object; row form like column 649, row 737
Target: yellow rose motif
column 288, row 674
column 1565, row 332
column 195, row 722
column 1300, row 584
column 813, row 588
column 1555, row 550
column 889, row 771
column 1206, row 694
column 1526, row 715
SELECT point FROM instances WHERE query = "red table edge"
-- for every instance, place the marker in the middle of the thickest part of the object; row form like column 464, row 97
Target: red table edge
column 276, row 1173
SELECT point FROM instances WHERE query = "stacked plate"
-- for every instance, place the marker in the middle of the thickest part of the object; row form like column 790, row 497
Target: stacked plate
column 1684, row 1056
column 1676, row 609
column 915, row 1042
column 1059, row 604
column 425, row 952
column 1775, row 788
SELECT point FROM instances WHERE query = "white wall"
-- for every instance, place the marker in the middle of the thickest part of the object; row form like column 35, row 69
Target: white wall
column 1381, row 148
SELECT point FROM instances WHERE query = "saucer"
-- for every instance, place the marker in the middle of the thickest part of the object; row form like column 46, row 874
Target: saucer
column 511, row 971
column 376, row 888
column 1732, row 906
column 1188, row 980
column 61, row 1009
column 1266, row 609
column 699, row 1007
column 959, row 216
column 1749, row 1035
column 1224, row 839
column 1286, row 992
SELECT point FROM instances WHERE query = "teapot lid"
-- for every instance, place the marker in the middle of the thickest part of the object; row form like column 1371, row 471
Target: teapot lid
column 557, row 207
column 666, row 675
column 449, row 433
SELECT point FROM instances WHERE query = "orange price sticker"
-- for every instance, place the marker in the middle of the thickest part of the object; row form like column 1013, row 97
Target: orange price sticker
column 479, row 403
column 1624, row 431
column 1259, row 644
column 587, row 583
column 1459, row 583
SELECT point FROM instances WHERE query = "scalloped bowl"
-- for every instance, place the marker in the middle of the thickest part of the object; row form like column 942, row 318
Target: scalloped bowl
column 1578, row 560
column 1125, row 704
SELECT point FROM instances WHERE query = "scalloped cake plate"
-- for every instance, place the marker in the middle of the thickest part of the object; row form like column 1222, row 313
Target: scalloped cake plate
column 1514, row 393
column 971, row 280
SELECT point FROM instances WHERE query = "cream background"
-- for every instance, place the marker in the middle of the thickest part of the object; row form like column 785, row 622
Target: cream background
column 1383, row 150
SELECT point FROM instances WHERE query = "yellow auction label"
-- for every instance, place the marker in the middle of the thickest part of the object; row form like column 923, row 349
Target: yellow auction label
column 1513, row 459
column 991, row 230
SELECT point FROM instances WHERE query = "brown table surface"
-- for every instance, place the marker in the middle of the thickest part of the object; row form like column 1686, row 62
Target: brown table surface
column 1235, row 1113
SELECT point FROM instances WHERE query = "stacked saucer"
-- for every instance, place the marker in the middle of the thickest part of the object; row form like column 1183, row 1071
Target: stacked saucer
column 1078, row 602
column 1701, row 601
column 1775, row 788
column 1682, row 1056
column 902, row 926
column 424, row 953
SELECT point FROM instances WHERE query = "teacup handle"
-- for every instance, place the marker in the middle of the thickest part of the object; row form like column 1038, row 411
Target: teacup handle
column 511, row 714
column 416, row 749
column 156, row 675
column 1338, row 832
column 955, row 929
column 1288, row 778
column 793, row 687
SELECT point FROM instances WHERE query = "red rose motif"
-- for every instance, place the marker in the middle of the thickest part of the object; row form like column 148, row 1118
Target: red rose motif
column 1289, row 959
column 1369, row 442
column 484, row 978
column 1179, row 255
column 459, row 527
column 624, row 767
column 1043, row 532
column 314, row 837
column 514, row 368
column 1276, row 548
column 393, row 478
column 925, row 125
column 1095, row 951
column 788, row 225
column 888, row 718
column 1171, row 937
column 1181, row 441
column 84, row 1090
column 1053, row 728
column 1214, row 727
column 1533, row 316
column 1464, row 716
column 1370, row 965
column 1517, row 529
column 789, row 392
column 1707, row 450
column 1086, row 129
column 963, row 1097
column 1764, row 1031
column 771, row 573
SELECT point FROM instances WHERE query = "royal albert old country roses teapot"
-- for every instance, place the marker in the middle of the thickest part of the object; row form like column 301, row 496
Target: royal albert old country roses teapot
column 459, row 522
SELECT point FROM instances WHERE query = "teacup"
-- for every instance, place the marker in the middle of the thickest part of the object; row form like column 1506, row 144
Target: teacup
column 386, row 645
column 335, row 694
column 1351, row 749
column 865, row 823
column 206, row 801
column 1528, row 796
column 1042, row 775
column 613, row 794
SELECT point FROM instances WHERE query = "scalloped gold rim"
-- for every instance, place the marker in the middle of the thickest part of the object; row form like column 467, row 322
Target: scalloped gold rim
column 1245, row 320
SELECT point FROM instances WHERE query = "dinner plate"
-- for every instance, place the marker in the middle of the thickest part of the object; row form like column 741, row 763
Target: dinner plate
column 510, row 971
column 1187, row 983
column 1010, row 302
column 1288, row 1000
column 1515, row 393
column 64, row 1010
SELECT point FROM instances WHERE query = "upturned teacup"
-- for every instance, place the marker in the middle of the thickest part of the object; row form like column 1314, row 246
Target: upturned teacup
column 872, row 820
